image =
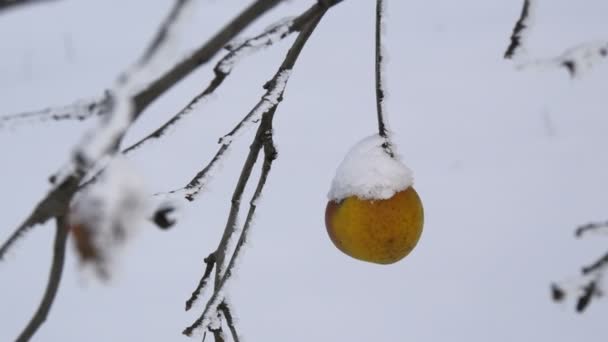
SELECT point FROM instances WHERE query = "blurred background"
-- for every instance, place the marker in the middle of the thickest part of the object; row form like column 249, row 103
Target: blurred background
column 508, row 162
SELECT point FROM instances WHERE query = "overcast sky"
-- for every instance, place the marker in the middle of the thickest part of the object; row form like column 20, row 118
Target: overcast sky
column 508, row 162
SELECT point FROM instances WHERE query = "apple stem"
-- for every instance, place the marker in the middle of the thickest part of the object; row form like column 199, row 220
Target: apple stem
column 380, row 94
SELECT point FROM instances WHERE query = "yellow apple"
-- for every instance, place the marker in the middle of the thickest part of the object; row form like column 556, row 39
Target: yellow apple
column 379, row 231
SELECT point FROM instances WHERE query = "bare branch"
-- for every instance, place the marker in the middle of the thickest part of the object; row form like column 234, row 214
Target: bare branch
column 518, row 30
column 41, row 314
column 382, row 130
column 263, row 138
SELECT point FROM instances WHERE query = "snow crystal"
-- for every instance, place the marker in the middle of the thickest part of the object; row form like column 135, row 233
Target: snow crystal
column 368, row 172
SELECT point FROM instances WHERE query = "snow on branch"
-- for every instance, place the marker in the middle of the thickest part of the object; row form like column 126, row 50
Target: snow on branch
column 262, row 139
column 576, row 60
column 106, row 138
column 269, row 100
column 226, row 311
column 222, row 69
column 520, row 30
column 80, row 110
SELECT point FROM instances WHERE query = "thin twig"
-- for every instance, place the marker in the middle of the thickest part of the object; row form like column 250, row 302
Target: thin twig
column 80, row 111
column 193, row 188
column 197, row 183
column 42, row 312
column 226, row 311
column 230, row 227
column 201, row 55
column 221, row 72
column 382, row 129
column 518, row 30
column 202, row 284
column 262, row 139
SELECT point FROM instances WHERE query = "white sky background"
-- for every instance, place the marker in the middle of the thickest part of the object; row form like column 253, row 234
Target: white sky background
column 507, row 163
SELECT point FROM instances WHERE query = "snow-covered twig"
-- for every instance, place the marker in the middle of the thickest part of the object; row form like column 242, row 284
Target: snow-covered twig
column 269, row 102
column 80, row 110
column 226, row 311
column 42, row 312
column 519, row 31
column 222, row 69
column 269, row 99
column 380, row 92
column 223, row 276
column 105, row 140
column 262, row 139
column 202, row 55
column 202, row 284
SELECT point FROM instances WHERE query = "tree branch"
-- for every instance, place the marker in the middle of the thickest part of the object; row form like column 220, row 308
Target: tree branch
column 42, row 312
column 195, row 185
column 80, row 110
column 224, row 308
column 263, row 138
column 202, row 284
column 202, row 55
column 222, row 70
